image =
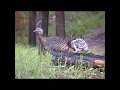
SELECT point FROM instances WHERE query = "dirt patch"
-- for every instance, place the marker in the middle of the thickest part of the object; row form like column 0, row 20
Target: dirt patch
column 96, row 39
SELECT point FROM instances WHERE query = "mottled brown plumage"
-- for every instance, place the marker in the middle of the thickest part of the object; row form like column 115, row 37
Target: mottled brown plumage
column 54, row 43
column 59, row 46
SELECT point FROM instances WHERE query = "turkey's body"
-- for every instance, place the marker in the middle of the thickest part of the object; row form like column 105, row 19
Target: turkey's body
column 55, row 43
column 57, row 46
column 60, row 47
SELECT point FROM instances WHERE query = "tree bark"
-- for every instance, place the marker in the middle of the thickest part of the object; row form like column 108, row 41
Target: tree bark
column 32, row 26
column 38, row 24
column 60, row 23
column 45, row 18
column 42, row 16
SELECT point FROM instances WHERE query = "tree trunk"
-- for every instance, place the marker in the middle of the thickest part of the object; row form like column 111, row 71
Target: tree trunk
column 43, row 17
column 32, row 26
column 60, row 23
column 38, row 24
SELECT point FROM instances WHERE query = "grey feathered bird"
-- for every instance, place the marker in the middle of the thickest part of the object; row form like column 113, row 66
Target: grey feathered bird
column 59, row 46
column 54, row 44
column 62, row 44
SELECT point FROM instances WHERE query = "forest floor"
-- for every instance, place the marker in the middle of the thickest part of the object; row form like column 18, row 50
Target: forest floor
column 96, row 39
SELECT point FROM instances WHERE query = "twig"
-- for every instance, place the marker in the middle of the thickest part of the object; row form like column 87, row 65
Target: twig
column 39, row 22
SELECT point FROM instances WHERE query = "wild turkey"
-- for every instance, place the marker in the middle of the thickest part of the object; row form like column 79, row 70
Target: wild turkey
column 54, row 44
column 59, row 44
column 60, row 48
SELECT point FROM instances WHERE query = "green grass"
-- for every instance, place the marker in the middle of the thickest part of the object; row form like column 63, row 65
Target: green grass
column 30, row 65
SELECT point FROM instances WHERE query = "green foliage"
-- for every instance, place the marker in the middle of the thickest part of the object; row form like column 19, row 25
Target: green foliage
column 77, row 23
column 30, row 65
column 84, row 22
column 51, row 30
column 21, row 27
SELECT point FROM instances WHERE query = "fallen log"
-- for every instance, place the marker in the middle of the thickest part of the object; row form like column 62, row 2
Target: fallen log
column 95, row 60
